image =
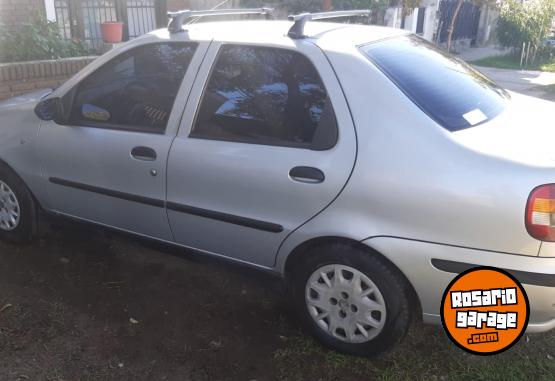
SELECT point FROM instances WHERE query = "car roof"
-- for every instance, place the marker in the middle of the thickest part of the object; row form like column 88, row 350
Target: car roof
column 275, row 32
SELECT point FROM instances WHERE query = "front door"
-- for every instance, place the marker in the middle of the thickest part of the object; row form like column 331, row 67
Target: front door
column 271, row 145
column 107, row 162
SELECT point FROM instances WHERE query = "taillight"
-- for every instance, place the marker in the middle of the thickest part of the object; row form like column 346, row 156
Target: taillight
column 540, row 213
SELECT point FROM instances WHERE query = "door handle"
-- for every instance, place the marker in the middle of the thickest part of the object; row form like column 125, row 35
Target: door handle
column 144, row 153
column 309, row 175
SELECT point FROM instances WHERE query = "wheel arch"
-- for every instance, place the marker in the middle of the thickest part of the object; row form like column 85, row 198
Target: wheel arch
column 5, row 164
column 297, row 253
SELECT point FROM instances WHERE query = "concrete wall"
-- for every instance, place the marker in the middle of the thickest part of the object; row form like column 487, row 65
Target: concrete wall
column 486, row 28
column 174, row 5
column 22, row 77
column 393, row 18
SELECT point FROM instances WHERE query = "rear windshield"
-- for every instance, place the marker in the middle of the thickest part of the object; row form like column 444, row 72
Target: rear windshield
column 451, row 92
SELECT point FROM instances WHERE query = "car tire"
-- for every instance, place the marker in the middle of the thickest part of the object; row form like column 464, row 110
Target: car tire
column 344, row 302
column 16, row 200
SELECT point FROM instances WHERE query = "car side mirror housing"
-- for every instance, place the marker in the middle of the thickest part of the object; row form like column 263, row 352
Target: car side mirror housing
column 95, row 113
column 49, row 109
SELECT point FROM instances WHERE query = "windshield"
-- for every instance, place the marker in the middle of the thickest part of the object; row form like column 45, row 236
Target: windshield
column 447, row 89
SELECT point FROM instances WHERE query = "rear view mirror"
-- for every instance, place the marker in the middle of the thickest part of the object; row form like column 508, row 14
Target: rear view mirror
column 92, row 112
column 49, row 109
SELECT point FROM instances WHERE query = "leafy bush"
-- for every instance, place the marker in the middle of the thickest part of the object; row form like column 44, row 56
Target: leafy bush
column 527, row 22
column 41, row 40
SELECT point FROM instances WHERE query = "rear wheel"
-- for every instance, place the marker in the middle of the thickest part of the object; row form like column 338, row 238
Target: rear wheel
column 350, row 300
column 17, row 208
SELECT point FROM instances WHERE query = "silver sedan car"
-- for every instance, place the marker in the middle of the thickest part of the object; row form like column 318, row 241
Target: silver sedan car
column 360, row 163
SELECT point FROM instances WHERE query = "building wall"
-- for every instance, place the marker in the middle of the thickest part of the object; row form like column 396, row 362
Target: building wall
column 488, row 20
column 175, row 5
column 22, row 77
column 14, row 13
column 393, row 18
column 486, row 28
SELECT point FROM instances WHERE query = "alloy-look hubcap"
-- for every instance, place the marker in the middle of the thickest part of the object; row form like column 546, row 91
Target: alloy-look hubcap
column 9, row 208
column 345, row 303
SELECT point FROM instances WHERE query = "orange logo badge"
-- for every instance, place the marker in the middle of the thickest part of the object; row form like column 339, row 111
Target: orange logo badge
column 485, row 310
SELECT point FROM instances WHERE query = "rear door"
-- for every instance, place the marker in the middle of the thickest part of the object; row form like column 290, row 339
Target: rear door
column 269, row 146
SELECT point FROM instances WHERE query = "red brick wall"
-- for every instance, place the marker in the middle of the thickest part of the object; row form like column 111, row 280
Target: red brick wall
column 19, row 12
column 21, row 77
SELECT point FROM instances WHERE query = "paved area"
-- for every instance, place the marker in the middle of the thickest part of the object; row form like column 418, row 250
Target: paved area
column 474, row 54
column 534, row 83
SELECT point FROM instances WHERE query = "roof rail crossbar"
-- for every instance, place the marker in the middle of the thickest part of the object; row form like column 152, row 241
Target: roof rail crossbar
column 177, row 19
column 297, row 30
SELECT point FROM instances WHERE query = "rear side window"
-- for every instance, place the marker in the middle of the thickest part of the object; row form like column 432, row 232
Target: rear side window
column 451, row 92
column 134, row 91
column 266, row 96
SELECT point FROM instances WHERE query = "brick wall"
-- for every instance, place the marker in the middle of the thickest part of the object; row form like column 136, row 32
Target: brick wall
column 14, row 13
column 22, row 77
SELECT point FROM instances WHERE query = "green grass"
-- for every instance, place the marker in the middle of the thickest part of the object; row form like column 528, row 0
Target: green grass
column 511, row 62
column 426, row 354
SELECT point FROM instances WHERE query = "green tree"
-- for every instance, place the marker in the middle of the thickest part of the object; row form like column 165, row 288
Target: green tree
column 40, row 40
column 528, row 22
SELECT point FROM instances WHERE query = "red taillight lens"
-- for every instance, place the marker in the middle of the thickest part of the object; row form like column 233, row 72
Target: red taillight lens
column 540, row 213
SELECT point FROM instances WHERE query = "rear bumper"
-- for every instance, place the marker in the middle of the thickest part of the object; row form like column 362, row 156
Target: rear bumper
column 430, row 267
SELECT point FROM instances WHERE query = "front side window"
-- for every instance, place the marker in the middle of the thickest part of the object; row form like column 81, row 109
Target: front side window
column 135, row 90
column 267, row 96
column 450, row 91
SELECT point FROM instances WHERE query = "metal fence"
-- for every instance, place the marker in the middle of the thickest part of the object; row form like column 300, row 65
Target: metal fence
column 63, row 17
column 467, row 21
column 141, row 17
column 82, row 18
column 94, row 13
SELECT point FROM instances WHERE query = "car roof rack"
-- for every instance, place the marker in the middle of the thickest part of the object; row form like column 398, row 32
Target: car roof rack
column 297, row 30
column 178, row 18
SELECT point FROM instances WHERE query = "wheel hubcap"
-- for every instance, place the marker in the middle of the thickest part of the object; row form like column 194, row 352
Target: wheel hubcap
column 345, row 303
column 9, row 208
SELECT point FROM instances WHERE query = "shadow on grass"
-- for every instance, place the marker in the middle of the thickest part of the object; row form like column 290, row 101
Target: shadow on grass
column 425, row 354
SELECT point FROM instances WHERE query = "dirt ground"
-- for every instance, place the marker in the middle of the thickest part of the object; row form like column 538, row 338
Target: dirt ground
column 86, row 304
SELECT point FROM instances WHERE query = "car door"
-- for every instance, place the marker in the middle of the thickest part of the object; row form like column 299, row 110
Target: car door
column 106, row 161
column 271, row 144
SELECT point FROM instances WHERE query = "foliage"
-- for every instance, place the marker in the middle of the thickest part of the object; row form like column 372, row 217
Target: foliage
column 527, row 22
column 39, row 40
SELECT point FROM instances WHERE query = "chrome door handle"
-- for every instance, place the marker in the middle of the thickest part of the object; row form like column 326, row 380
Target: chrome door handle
column 309, row 175
column 144, row 153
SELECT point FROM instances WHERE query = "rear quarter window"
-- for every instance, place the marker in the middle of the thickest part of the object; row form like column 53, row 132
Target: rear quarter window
column 447, row 89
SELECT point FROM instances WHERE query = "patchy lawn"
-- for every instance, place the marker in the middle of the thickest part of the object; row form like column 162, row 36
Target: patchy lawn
column 512, row 62
column 83, row 304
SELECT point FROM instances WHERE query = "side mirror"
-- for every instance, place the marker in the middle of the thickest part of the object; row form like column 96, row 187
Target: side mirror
column 92, row 112
column 49, row 109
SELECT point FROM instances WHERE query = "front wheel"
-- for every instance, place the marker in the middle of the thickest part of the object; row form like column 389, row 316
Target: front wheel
column 351, row 300
column 17, row 208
